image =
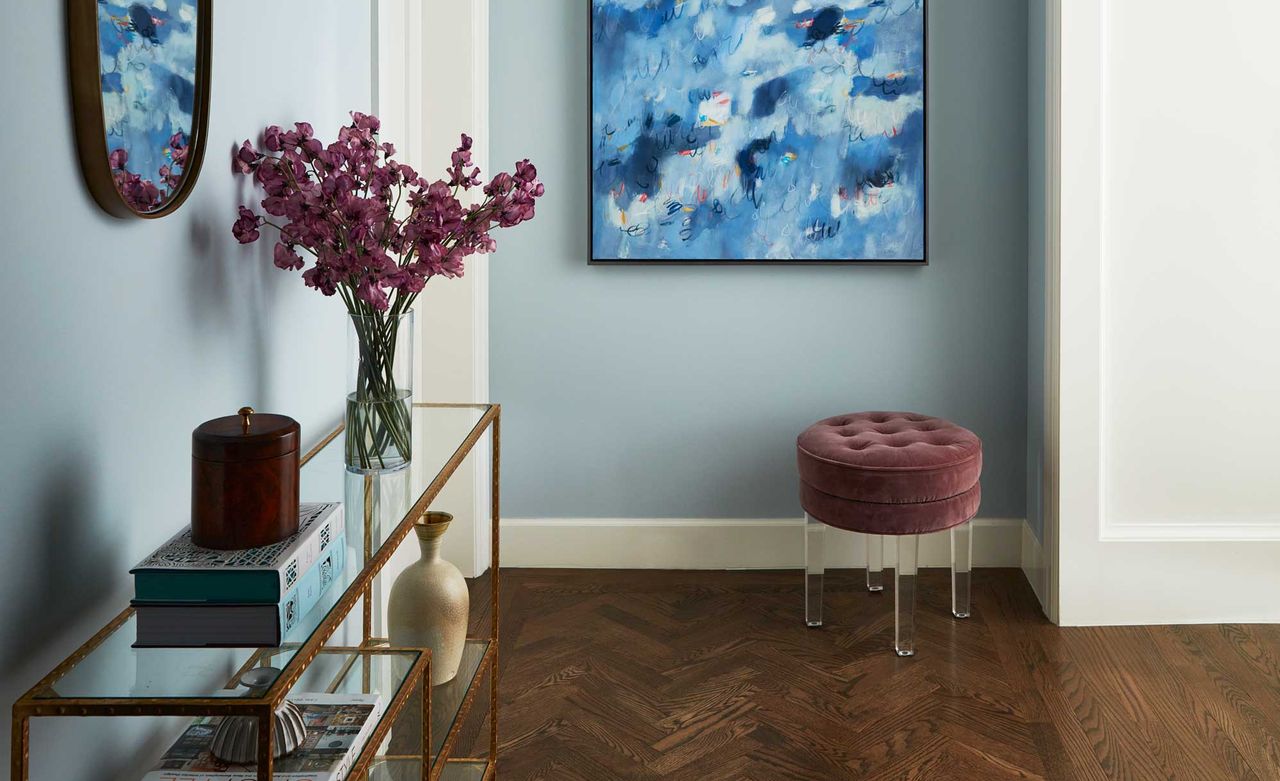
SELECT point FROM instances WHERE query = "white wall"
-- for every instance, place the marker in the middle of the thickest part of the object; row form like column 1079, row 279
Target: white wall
column 1170, row 505
column 121, row 336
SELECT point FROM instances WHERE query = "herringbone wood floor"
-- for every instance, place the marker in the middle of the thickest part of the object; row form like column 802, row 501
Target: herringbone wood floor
column 703, row 676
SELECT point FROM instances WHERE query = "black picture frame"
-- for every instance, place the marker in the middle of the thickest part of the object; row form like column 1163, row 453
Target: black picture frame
column 856, row 262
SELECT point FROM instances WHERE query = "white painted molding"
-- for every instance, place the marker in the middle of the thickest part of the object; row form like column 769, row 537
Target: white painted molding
column 478, row 267
column 1050, row 490
column 1265, row 529
column 424, row 115
column 1127, row 558
column 1034, row 566
column 719, row 544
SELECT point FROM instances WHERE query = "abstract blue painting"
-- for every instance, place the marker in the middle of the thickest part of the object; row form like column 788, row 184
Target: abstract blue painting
column 758, row 130
column 148, row 60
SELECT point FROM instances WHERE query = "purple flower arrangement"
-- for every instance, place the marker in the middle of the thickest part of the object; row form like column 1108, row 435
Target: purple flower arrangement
column 375, row 230
column 363, row 226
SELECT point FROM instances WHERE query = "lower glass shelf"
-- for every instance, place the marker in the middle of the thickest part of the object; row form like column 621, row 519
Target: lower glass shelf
column 356, row 671
column 389, row 673
column 408, row 769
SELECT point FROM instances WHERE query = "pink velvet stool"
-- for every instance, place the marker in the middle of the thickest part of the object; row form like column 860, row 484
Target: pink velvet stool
column 893, row 474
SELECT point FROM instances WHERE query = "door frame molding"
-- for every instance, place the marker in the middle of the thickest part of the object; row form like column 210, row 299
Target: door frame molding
column 1112, row 570
column 1052, row 258
column 402, row 92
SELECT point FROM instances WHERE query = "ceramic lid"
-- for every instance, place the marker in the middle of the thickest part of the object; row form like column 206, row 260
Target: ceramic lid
column 247, row 436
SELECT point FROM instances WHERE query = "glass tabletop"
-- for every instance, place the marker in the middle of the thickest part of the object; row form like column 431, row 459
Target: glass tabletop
column 115, row 669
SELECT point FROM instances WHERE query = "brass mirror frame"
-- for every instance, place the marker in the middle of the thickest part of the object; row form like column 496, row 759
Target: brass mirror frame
column 85, row 68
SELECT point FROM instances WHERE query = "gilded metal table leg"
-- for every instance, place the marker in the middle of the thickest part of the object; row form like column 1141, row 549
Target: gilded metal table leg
column 266, row 744
column 496, row 580
column 367, row 598
column 368, row 554
column 20, row 748
column 426, row 724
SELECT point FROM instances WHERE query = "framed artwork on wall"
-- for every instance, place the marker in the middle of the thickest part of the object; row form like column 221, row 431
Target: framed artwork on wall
column 758, row 131
column 140, row 91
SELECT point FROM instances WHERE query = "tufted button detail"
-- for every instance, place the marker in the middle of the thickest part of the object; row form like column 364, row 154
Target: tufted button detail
column 889, row 457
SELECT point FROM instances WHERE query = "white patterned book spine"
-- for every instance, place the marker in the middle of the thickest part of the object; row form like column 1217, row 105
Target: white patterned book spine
column 308, row 554
column 180, row 571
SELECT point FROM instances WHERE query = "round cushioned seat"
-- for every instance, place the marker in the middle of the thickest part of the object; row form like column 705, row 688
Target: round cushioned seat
column 890, row 473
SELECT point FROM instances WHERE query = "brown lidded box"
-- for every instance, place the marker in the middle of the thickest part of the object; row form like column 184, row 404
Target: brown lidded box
column 244, row 481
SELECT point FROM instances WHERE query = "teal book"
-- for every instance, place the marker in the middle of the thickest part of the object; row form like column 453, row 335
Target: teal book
column 181, row 572
column 204, row 625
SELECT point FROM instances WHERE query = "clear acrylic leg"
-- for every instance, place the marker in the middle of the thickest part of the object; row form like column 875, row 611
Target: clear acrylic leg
column 904, row 596
column 875, row 562
column 961, row 566
column 815, row 533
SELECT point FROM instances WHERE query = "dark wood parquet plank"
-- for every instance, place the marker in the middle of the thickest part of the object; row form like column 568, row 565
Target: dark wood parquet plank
column 712, row 675
column 1029, row 658
column 1132, row 708
column 1189, row 721
column 1226, row 711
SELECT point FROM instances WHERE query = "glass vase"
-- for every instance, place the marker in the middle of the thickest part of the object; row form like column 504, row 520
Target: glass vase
column 379, row 391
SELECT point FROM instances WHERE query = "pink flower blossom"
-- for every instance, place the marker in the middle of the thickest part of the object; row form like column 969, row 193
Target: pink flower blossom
column 458, row 175
column 373, row 294
column 271, row 138
column 246, row 158
column 246, row 228
column 287, row 259
column 366, row 122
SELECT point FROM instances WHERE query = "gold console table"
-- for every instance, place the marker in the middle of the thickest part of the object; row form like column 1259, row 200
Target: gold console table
column 333, row 648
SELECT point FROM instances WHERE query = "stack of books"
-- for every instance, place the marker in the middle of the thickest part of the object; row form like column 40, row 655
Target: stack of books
column 191, row 597
column 338, row 728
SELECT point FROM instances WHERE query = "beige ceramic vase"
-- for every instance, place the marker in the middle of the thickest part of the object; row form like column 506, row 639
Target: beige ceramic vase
column 430, row 604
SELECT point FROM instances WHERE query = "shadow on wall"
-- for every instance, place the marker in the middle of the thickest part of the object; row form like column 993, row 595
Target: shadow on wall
column 73, row 550
column 230, row 292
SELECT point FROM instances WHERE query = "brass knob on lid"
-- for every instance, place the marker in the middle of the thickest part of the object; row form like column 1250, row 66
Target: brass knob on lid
column 245, row 415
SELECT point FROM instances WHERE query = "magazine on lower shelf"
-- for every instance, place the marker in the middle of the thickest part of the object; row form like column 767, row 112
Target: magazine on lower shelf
column 338, row 728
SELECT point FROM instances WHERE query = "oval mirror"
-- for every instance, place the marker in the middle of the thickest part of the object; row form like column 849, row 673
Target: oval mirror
column 140, row 90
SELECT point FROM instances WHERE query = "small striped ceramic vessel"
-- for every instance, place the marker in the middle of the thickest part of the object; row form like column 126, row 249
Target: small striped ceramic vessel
column 236, row 740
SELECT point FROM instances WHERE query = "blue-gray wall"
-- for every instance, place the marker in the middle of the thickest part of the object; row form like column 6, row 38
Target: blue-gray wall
column 122, row 336
column 678, row 391
column 1036, row 148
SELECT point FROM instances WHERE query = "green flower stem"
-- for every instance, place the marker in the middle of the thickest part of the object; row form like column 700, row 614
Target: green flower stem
column 379, row 421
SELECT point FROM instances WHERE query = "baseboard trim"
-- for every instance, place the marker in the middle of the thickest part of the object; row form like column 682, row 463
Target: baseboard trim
column 1033, row 566
column 722, row 544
